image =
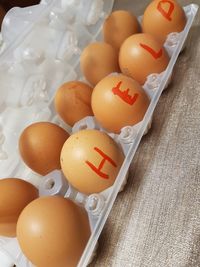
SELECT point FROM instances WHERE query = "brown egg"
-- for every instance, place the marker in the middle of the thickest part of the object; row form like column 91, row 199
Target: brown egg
column 118, row 26
column 124, row 102
column 15, row 195
column 91, row 160
column 141, row 55
column 97, row 61
column 162, row 17
column 53, row 231
column 73, row 101
column 40, row 145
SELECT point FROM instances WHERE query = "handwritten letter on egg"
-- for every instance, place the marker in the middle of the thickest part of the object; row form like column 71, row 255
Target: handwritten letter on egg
column 155, row 54
column 166, row 14
column 124, row 95
column 98, row 170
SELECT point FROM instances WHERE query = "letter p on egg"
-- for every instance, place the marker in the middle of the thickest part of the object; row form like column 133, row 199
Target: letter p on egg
column 166, row 13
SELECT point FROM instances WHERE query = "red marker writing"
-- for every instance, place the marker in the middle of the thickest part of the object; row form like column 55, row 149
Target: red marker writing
column 167, row 14
column 98, row 169
column 155, row 54
column 124, row 95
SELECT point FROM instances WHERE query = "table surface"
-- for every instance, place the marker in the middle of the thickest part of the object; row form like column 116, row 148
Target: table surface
column 155, row 221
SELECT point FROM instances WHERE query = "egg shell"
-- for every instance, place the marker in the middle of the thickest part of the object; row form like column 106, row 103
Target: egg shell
column 73, row 101
column 40, row 145
column 119, row 26
column 97, row 61
column 119, row 101
column 90, row 161
column 141, row 55
column 15, row 195
column 53, row 231
column 162, row 17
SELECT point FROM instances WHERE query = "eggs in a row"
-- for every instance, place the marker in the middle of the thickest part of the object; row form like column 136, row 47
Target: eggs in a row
column 124, row 48
column 53, row 231
column 116, row 101
column 90, row 159
column 55, row 226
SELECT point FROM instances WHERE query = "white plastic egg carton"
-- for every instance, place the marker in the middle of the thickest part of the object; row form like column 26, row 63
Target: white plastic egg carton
column 40, row 50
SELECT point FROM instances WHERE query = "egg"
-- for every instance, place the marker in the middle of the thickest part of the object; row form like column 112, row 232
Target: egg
column 40, row 145
column 162, row 17
column 97, row 61
column 91, row 160
column 73, row 101
column 119, row 26
column 53, row 231
column 141, row 55
column 15, row 195
column 119, row 101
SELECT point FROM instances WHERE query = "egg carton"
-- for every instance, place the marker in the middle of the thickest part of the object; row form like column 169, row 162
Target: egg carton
column 31, row 71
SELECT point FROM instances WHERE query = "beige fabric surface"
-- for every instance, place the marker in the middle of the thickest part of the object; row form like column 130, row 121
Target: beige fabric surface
column 155, row 222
